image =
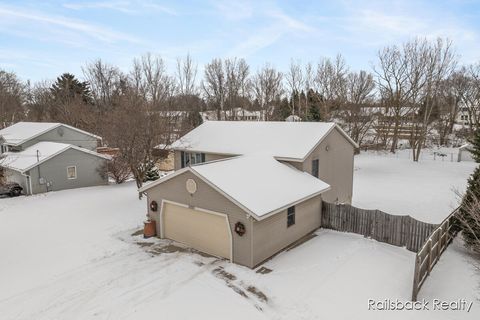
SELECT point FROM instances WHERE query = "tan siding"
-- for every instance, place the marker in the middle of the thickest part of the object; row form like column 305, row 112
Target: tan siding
column 272, row 235
column 206, row 198
column 208, row 157
column 335, row 166
column 213, row 156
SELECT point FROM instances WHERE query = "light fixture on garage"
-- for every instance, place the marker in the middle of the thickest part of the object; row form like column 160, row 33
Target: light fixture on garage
column 154, row 206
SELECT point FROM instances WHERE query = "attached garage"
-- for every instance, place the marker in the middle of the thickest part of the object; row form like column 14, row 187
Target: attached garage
column 189, row 226
column 241, row 209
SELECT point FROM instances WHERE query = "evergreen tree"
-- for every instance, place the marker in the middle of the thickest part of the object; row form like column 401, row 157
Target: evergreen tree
column 475, row 149
column 152, row 173
column 314, row 102
column 471, row 234
column 283, row 110
column 67, row 88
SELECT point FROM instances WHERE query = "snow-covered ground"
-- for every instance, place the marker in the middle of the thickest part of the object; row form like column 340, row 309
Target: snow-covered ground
column 425, row 190
column 74, row 254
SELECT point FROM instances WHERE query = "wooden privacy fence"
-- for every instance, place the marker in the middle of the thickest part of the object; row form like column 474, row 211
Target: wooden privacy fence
column 431, row 251
column 403, row 231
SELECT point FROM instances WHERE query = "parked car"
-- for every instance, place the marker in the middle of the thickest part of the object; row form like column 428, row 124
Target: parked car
column 11, row 189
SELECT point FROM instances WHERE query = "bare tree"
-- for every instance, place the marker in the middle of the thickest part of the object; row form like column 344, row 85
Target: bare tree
column 39, row 101
column 397, row 87
column 267, row 87
column 151, row 81
column 358, row 112
column 330, row 81
column 295, row 80
column 136, row 143
column 105, row 83
column 429, row 65
column 186, row 75
column 448, row 104
column 237, row 83
column 13, row 94
column 469, row 91
column 214, row 86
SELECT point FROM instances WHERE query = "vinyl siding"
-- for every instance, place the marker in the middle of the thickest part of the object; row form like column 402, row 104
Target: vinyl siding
column 90, row 172
column 208, row 157
column 272, row 234
column 335, row 166
column 64, row 134
column 206, row 198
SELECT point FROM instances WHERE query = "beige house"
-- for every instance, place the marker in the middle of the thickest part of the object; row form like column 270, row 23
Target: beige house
column 246, row 190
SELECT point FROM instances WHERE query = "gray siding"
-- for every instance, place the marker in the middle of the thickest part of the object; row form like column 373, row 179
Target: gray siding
column 90, row 171
column 64, row 134
column 272, row 234
column 206, row 198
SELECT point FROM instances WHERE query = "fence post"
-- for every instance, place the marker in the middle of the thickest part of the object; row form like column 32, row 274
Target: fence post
column 416, row 278
column 429, row 250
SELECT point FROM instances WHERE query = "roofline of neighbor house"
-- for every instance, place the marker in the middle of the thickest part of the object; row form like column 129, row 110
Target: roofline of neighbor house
column 226, row 195
column 15, row 144
column 106, row 157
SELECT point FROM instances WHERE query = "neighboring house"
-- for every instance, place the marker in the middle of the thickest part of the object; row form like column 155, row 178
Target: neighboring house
column 45, row 157
column 246, row 190
column 236, row 114
column 293, row 118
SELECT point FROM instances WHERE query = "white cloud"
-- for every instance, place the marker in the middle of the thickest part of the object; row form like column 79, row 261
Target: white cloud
column 128, row 7
column 278, row 25
column 37, row 23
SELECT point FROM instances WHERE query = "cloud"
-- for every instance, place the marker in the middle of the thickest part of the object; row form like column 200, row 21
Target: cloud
column 127, row 7
column 234, row 10
column 36, row 22
column 278, row 24
column 289, row 22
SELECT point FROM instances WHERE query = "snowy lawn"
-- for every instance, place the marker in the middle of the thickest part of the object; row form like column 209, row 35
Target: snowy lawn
column 423, row 190
column 75, row 255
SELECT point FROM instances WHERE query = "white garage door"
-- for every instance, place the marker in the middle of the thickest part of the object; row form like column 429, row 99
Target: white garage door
column 204, row 231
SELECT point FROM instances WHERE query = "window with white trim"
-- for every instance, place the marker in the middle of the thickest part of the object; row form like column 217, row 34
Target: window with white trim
column 72, row 172
column 191, row 158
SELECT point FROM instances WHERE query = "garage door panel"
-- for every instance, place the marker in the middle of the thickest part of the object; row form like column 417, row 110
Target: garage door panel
column 206, row 232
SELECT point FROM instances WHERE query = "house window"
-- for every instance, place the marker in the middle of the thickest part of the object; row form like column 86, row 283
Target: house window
column 72, row 172
column 290, row 216
column 315, row 168
column 191, row 158
column 4, row 148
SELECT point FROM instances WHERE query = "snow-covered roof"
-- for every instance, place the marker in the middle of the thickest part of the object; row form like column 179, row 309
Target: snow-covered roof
column 259, row 184
column 23, row 131
column 466, row 146
column 25, row 160
column 283, row 140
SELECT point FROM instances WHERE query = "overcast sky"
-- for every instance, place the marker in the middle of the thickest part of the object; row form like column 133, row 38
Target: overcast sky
column 42, row 39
